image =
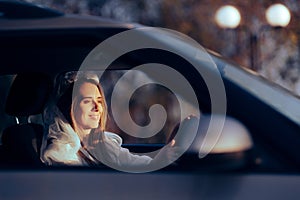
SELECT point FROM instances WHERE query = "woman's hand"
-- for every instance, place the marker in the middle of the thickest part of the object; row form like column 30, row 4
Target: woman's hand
column 182, row 138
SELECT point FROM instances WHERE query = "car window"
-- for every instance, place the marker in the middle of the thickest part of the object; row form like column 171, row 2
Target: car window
column 140, row 103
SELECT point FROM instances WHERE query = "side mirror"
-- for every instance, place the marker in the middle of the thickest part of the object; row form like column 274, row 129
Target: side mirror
column 228, row 149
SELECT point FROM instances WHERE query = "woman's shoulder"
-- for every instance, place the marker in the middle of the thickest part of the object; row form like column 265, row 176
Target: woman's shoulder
column 114, row 137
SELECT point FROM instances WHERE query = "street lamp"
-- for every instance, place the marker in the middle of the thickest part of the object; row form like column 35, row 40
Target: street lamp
column 228, row 17
column 278, row 15
column 281, row 45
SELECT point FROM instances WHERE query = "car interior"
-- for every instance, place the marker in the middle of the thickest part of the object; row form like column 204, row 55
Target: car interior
column 27, row 98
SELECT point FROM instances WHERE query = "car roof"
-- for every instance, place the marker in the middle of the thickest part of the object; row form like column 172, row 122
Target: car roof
column 61, row 22
column 45, row 40
column 18, row 15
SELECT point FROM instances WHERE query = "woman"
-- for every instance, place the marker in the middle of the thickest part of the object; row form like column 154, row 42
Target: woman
column 77, row 135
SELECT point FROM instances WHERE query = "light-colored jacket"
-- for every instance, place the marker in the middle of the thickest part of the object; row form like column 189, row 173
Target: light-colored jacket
column 63, row 147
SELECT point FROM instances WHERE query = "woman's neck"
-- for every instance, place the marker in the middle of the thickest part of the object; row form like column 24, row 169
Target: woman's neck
column 83, row 133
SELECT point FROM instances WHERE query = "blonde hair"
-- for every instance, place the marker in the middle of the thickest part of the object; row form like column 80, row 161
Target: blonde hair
column 76, row 98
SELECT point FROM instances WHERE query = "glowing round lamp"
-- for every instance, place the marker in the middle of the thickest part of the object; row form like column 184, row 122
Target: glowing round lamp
column 278, row 15
column 228, row 17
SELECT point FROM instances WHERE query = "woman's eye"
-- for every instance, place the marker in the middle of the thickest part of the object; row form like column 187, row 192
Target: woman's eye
column 86, row 101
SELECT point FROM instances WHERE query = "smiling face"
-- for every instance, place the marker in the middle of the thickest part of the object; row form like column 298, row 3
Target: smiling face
column 89, row 109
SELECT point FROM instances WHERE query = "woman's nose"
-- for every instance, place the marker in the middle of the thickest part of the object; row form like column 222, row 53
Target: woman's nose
column 96, row 106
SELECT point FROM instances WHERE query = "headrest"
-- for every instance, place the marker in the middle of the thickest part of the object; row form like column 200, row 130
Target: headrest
column 28, row 94
column 65, row 101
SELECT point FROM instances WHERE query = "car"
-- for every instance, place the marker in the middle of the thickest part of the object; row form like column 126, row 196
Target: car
column 253, row 151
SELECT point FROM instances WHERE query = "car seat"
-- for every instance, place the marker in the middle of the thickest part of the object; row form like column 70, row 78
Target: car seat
column 21, row 142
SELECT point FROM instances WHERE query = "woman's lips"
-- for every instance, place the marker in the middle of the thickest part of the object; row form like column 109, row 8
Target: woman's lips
column 94, row 117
